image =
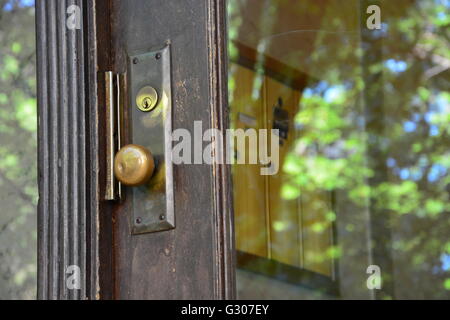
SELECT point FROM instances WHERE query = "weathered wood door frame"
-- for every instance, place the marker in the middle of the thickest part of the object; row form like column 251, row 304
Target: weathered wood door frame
column 68, row 163
column 75, row 226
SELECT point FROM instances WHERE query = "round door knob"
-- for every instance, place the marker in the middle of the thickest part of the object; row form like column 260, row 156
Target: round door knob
column 133, row 165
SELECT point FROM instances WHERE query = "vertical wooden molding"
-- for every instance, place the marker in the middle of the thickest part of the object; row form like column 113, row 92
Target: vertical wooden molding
column 223, row 201
column 68, row 210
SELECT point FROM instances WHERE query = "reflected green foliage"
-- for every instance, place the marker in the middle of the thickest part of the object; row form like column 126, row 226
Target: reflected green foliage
column 381, row 137
column 18, row 147
column 374, row 130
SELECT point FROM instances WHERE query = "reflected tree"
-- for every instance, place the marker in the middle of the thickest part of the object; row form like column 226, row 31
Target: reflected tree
column 378, row 133
column 18, row 125
column 373, row 127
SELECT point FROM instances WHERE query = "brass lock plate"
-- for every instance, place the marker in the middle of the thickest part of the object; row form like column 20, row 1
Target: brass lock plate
column 150, row 110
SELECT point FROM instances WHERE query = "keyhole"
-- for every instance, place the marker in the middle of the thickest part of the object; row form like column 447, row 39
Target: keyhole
column 147, row 103
column 147, row 99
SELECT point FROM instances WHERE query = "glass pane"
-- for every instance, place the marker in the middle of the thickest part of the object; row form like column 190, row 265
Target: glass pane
column 18, row 149
column 355, row 203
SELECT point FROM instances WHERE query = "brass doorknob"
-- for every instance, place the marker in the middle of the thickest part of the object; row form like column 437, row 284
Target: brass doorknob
column 133, row 165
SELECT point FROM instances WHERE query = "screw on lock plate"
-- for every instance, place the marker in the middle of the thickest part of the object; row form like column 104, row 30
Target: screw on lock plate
column 147, row 99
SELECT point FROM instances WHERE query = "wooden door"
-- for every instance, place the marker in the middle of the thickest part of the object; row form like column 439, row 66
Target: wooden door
column 195, row 259
column 78, row 226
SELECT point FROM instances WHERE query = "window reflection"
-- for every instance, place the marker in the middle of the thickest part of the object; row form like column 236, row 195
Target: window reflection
column 365, row 160
column 18, row 125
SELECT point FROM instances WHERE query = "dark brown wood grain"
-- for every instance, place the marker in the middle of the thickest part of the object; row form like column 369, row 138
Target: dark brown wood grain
column 103, row 39
column 195, row 260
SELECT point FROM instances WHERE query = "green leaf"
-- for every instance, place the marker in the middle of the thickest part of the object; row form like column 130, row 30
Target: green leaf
column 290, row 192
column 26, row 115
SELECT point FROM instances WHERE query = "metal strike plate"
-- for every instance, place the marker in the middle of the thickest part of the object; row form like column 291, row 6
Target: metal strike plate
column 153, row 203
